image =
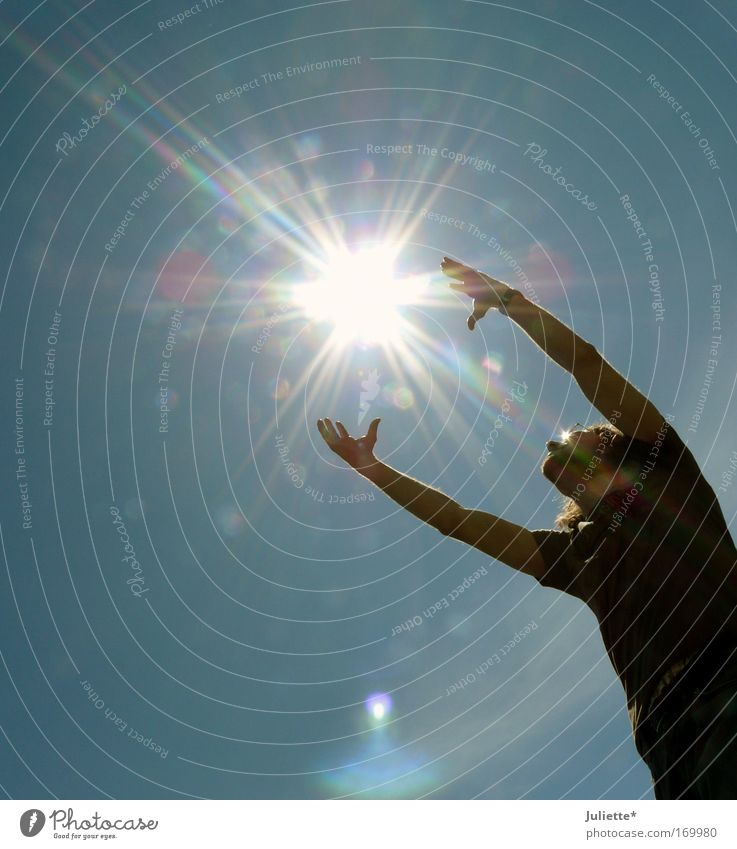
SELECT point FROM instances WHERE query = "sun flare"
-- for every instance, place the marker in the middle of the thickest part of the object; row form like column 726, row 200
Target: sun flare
column 359, row 294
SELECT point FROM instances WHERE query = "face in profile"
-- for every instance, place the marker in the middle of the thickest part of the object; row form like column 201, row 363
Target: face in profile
column 573, row 464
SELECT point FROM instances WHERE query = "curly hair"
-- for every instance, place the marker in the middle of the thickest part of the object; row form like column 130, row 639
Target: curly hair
column 620, row 450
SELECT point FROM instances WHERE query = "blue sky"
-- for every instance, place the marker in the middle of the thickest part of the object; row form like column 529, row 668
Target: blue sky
column 173, row 177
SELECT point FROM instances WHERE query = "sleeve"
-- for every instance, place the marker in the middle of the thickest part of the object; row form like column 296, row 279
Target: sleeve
column 565, row 554
column 686, row 482
column 672, row 449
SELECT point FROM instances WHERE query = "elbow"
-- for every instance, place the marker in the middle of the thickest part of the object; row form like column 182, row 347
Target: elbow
column 586, row 354
column 586, row 362
column 449, row 520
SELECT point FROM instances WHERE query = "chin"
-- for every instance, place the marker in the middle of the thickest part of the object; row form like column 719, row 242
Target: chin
column 556, row 473
column 551, row 469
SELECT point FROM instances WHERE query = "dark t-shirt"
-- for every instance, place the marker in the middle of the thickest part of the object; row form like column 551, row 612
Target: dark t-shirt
column 658, row 569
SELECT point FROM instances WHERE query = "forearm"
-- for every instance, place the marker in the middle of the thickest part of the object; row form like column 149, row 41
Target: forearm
column 428, row 504
column 558, row 341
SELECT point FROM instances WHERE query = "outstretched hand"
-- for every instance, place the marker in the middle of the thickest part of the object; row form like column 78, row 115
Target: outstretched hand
column 358, row 453
column 484, row 290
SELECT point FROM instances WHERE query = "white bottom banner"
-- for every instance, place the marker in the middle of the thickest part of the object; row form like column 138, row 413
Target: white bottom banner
column 359, row 824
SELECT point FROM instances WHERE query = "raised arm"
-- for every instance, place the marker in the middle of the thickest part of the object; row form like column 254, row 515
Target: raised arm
column 502, row 540
column 608, row 390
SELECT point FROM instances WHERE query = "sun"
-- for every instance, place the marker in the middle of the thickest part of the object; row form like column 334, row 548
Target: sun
column 359, row 293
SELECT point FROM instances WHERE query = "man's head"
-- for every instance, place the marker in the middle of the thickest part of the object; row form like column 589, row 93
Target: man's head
column 588, row 463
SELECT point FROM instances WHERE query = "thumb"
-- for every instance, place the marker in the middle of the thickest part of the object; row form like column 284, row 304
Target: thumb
column 478, row 313
column 372, row 431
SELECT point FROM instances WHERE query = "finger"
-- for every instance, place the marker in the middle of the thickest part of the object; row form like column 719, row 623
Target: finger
column 341, row 429
column 373, row 430
column 323, row 428
column 331, row 429
column 459, row 287
column 492, row 281
column 471, row 322
column 454, row 269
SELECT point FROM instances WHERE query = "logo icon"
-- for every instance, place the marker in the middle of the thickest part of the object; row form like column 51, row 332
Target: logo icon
column 371, row 389
column 31, row 822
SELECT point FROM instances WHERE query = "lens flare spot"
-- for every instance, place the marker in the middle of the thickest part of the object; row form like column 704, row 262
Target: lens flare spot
column 186, row 273
column 170, row 398
column 229, row 520
column 403, row 398
column 398, row 396
column 227, row 225
column 379, row 706
column 366, row 169
column 308, row 145
column 280, row 389
column 493, row 363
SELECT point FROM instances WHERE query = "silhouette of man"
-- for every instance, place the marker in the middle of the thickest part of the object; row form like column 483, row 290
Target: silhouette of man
column 641, row 540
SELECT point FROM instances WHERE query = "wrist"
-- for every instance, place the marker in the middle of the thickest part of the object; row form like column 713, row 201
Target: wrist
column 509, row 297
column 497, row 295
column 366, row 465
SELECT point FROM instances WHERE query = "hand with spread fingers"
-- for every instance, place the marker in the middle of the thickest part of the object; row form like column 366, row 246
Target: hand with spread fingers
column 487, row 292
column 358, row 453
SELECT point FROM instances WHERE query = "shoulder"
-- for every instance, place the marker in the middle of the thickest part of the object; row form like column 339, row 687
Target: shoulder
column 675, row 481
column 673, row 457
column 567, row 556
